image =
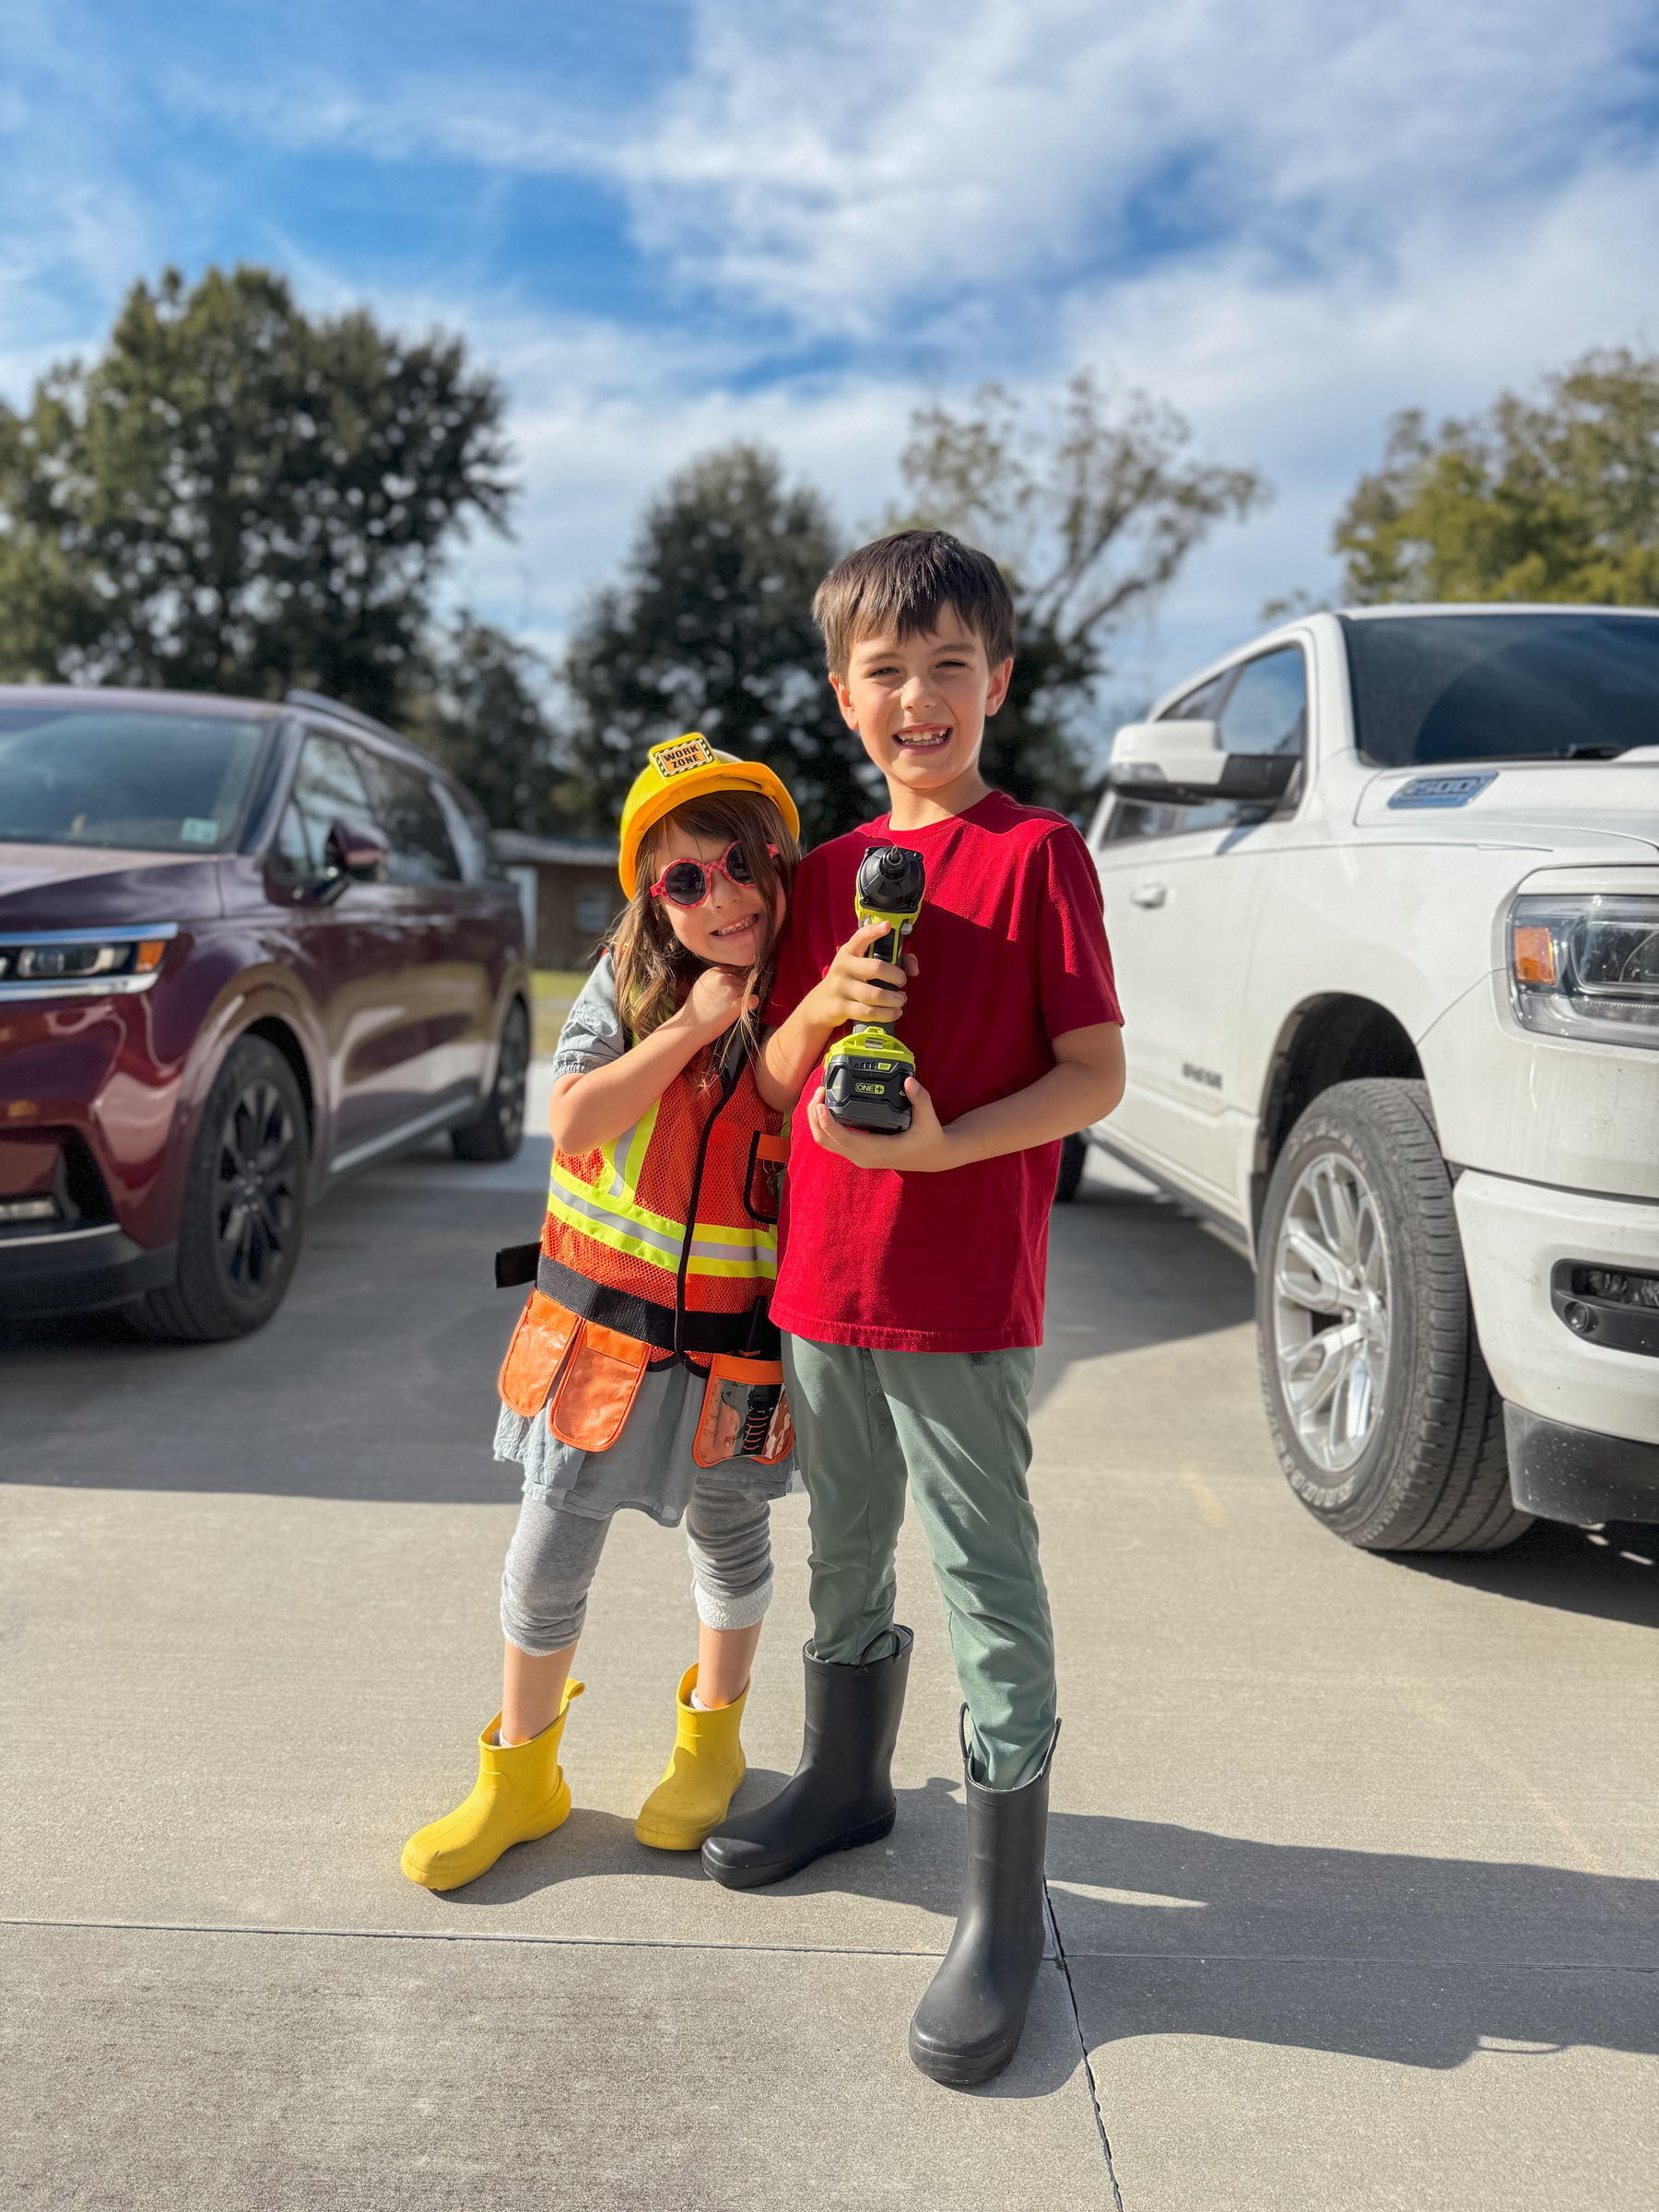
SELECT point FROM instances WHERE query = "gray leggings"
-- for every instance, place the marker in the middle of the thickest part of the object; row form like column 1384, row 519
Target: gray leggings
column 554, row 1554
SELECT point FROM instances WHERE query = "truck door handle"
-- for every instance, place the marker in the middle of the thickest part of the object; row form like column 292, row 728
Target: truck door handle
column 1149, row 894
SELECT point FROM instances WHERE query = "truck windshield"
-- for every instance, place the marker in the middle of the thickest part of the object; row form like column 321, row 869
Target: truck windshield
column 1436, row 688
column 154, row 782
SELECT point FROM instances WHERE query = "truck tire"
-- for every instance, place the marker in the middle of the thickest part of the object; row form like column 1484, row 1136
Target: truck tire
column 1074, row 1153
column 500, row 1129
column 1382, row 1412
column 243, row 1215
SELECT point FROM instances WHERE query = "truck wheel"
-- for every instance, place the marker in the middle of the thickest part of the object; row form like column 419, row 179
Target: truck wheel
column 244, row 1204
column 1384, row 1418
column 1074, row 1153
column 499, row 1130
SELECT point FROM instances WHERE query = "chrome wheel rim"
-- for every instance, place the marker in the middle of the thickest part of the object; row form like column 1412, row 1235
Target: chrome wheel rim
column 1331, row 1312
column 256, row 1191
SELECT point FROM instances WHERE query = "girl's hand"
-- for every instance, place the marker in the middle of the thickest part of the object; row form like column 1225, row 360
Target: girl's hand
column 858, row 989
column 715, row 1002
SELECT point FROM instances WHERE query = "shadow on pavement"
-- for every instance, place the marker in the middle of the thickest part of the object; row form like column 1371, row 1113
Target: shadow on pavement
column 1128, row 1270
column 376, row 1379
column 1177, row 1931
column 1611, row 1572
column 1419, row 1961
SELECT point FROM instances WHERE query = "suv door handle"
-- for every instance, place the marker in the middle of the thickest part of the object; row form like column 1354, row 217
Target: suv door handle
column 1149, row 894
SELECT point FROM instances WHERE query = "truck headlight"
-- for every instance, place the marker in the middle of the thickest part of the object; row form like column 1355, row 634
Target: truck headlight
column 1586, row 966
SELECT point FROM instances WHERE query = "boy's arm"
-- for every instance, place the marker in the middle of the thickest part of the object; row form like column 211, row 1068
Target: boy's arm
column 856, row 989
column 1082, row 1087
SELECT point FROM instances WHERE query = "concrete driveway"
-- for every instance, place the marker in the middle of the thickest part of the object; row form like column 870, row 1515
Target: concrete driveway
column 1353, row 1861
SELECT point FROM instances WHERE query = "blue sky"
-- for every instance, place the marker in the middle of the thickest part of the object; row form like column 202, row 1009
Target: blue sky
column 671, row 225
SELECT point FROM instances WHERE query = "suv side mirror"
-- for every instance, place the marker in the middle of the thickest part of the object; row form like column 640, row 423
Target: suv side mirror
column 1183, row 764
column 351, row 855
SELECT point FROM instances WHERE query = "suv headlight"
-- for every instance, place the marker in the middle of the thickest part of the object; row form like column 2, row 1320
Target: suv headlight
column 82, row 963
column 1586, row 966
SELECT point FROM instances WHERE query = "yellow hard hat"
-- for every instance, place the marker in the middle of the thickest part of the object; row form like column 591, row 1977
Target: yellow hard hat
column 690, row 768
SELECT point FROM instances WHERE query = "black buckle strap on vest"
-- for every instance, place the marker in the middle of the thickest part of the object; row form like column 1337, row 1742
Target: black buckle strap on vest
column 517, row 1264
column 763, row 1340
column 747, row 1335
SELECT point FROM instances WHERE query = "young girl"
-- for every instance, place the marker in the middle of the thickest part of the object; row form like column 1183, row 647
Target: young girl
column 644, row 1370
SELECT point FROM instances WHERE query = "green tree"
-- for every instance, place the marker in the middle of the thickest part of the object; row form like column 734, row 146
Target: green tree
column 1556, row 499
column 712, row 629
column 1090, row 511
column 484, row 715
column 237, row 497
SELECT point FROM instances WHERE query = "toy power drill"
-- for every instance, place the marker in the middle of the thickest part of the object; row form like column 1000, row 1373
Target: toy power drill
column 863, row 1075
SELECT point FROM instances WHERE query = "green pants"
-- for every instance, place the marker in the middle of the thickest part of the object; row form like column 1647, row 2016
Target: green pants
column 955, row 1423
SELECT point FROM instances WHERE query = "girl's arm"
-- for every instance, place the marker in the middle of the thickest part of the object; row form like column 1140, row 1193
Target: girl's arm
column 590, row 1110
column 856, row 990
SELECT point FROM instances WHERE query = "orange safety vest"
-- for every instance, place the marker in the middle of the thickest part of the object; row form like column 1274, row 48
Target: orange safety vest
column 662, row 1241
column 669, row 1232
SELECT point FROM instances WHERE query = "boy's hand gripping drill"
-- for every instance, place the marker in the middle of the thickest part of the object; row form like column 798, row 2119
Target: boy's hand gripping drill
column 865, row 1073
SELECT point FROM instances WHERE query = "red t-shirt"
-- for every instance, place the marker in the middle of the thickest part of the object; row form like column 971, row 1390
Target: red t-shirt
column 1011, row 945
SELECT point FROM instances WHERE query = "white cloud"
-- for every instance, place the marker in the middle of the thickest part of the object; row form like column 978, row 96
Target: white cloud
column 1290, row 220
column 862, row 174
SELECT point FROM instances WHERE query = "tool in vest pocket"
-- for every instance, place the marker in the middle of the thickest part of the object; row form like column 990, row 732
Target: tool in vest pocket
column 744, row 1414
column 864, row 1073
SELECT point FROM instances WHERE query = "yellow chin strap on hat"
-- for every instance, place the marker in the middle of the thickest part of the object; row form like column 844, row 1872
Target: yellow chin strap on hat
column 690, row 768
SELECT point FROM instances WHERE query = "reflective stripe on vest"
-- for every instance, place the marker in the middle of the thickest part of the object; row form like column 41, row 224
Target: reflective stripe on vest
column 609, row 1212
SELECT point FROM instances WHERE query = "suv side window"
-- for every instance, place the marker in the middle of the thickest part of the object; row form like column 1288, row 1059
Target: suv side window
column 328, row 788
column 420, row 850
column 469, row 828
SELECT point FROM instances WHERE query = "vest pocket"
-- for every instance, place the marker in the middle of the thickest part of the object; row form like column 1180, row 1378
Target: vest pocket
column 596, row 1392
column 764, row 1182
column 539, row 1343
column 744, row 1414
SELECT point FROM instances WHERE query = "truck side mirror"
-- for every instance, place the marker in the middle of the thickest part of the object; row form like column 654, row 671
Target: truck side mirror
column 1184, row 764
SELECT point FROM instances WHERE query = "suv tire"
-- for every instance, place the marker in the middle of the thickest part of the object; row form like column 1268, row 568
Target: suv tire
column 1382, row 1413
column 243, row 1215
column 500, row 1129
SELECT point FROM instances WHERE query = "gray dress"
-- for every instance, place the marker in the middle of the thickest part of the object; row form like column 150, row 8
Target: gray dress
column 650, row 1467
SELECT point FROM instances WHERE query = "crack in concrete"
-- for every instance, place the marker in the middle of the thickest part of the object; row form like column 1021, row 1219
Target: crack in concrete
column 1089, row 2072
column 572, row 1943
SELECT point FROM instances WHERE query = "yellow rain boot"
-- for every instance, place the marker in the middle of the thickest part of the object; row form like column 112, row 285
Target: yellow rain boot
column 691, row 1799
column 521, row 1794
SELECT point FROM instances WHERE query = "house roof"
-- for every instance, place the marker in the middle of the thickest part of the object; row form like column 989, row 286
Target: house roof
column 559, row 851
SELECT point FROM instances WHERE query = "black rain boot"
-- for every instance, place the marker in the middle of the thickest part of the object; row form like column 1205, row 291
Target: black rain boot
column 969, row 2025
column 842, row 1794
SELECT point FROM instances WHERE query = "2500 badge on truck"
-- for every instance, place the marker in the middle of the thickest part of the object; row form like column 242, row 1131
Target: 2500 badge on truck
column 1383, row 892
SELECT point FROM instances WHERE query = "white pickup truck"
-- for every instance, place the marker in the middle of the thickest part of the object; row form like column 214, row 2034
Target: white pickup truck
column 1383, row 890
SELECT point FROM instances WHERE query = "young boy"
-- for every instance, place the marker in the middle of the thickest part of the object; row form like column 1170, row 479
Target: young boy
column 911, row 1285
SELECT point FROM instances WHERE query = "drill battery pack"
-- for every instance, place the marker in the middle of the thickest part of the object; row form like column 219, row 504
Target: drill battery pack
column 864, row 1082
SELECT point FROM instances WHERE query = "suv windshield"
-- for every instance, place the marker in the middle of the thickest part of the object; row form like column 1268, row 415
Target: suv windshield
column 156, row 782
column 1435, row 687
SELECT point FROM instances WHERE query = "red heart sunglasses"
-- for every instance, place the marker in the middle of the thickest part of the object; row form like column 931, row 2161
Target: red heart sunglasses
column 688, row 882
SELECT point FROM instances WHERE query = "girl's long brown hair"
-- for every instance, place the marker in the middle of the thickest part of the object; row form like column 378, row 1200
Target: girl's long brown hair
column 653, row 969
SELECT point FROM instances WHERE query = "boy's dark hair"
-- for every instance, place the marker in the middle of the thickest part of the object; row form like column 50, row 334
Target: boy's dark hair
column 904, row 584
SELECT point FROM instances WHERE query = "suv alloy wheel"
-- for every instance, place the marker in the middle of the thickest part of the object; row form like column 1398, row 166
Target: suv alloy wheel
column 499, row 1130
column 244, row 1204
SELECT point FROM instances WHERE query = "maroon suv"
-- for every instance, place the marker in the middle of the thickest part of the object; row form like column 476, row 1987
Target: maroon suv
column 245, row 949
